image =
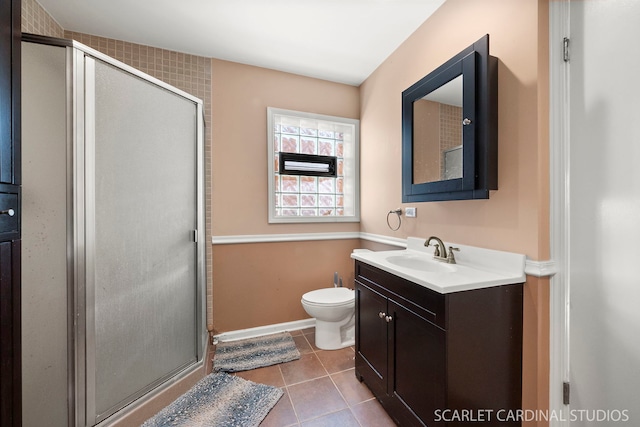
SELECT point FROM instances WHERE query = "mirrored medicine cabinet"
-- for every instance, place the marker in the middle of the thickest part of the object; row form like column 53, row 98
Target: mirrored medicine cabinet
column 449, row 129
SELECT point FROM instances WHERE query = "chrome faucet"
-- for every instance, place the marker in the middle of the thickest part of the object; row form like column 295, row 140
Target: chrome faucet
column 440, row 252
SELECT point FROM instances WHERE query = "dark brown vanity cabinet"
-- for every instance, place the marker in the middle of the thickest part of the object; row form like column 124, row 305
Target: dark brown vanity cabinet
column 439, row 359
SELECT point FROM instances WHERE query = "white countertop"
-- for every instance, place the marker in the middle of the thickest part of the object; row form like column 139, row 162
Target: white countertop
column 475, row 267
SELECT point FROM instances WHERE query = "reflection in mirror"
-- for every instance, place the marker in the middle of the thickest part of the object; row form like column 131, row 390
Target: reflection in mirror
column 437, row 134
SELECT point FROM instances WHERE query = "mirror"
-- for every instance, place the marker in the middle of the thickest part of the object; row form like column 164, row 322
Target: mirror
column 449, row 129
column 437, row 134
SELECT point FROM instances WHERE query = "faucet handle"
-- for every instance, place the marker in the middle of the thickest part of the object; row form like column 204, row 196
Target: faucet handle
column 436, row 251
column 440, row 250
column 451, row 259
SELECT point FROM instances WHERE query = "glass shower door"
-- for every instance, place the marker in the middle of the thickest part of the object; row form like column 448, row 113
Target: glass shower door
column 141, row 256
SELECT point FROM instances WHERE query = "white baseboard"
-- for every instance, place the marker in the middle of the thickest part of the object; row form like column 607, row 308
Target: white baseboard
column 265, row 330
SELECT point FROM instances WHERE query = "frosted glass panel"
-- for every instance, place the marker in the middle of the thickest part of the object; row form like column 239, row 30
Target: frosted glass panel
column 44, row 236
column 145, row 214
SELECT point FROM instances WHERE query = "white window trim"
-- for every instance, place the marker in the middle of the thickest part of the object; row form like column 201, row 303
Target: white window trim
column 348, row 183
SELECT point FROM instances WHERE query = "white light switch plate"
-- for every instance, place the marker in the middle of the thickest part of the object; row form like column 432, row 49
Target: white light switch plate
column 410, row 212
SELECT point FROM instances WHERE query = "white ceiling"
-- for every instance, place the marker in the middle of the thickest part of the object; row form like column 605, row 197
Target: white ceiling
column 338, row 40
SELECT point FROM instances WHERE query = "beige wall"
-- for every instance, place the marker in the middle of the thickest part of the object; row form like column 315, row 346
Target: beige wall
column 259, row 284
column 509, row 220
column 241, row 95
column 262, row 283
column 515, row 218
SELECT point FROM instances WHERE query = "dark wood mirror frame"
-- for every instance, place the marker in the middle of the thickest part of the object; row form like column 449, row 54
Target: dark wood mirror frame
column 479, row 71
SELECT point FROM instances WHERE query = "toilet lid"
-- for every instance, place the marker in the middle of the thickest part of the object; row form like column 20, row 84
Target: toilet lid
column 329, row 296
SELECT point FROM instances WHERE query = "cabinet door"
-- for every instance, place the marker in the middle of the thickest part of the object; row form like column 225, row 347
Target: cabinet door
column 371, row 338
column 10, row 355
column 418, row 382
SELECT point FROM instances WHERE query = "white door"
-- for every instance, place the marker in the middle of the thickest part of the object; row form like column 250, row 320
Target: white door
column 604, row 205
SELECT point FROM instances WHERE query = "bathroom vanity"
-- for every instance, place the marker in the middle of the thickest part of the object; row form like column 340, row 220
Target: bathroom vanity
column 439, row 357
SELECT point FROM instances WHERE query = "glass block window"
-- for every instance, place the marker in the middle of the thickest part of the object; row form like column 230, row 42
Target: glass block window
column 308, row 197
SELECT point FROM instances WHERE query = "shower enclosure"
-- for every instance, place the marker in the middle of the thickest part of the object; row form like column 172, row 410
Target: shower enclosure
column 113, row 243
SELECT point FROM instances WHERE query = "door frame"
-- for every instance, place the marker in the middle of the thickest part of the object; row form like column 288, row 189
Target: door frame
column 559, row 163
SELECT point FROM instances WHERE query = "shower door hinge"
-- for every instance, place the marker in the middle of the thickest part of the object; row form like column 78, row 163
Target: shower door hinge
column 195, row 236
column 566, row 388
column 565, row 49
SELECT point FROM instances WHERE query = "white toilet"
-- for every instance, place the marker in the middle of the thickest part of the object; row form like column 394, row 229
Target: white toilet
column 334, row 310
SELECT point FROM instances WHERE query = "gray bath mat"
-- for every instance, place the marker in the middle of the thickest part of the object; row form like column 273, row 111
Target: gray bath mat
column 219, row 400
column 253, row 353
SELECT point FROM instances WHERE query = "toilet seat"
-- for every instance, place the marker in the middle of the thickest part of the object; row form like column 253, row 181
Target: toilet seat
column 329, row 297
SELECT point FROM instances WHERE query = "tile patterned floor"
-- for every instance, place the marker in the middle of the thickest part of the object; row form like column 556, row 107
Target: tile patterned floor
column 320, row 389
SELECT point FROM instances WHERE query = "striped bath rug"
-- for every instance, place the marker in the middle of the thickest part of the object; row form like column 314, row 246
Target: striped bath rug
column 219, row 400
column 252, row 353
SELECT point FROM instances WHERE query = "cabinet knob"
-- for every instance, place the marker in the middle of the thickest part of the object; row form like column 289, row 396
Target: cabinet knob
column 388, row 319
column 9, row 212
column 382, row 315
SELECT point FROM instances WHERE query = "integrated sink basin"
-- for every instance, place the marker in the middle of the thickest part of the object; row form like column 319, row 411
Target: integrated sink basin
column 476, row 268
column 420, row 263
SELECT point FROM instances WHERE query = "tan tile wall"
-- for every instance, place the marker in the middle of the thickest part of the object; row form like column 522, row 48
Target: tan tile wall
column 450, row 130
column 36, row 20
column 189, row 73
column 450, row 126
